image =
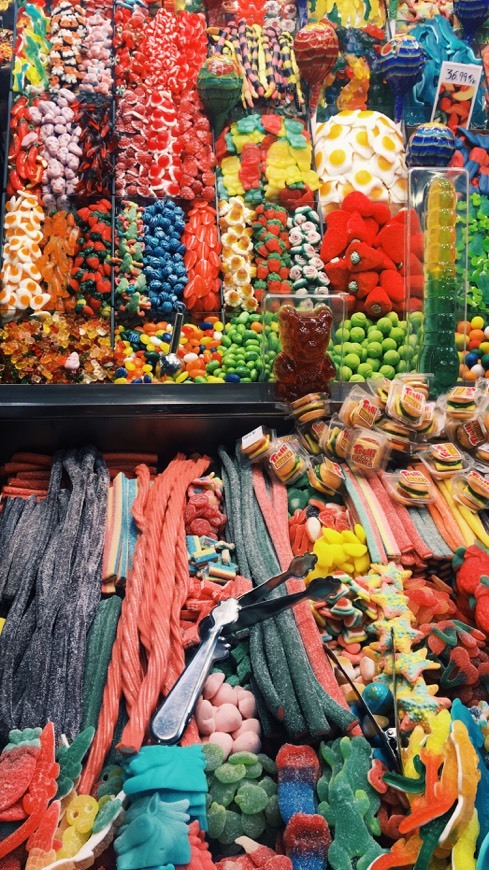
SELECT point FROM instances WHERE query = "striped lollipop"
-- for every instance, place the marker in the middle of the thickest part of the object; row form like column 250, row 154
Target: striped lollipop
column 401, row 63
column 472, row 14
column 316, row 52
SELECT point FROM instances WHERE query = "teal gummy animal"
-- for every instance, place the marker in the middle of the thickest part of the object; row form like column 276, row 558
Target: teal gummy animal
column 181, row 768
column 345, row 813
column 155, row 834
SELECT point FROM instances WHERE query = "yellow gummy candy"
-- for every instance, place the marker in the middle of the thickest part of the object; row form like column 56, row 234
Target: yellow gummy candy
column 81, row 813
column 332, row 536
column 355, row 550
column 338, row 554
column 348, row 537
column 325, row 555
column 360, row 533
column 311, row 178
column 230, row 165
column 72, row 843
column 464, row 849
column 440, row 729
column 293, row 176
column 416, row 741
column 348, row 567
column 362, row 565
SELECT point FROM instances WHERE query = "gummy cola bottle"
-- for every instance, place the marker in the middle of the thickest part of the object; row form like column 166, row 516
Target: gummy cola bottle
column 438, row 352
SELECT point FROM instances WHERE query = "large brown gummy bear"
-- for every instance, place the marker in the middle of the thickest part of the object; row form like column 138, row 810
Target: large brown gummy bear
column 303, row 366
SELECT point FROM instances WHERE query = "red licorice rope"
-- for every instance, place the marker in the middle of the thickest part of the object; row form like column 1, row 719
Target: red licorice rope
column 156, row 589
column 162, row 566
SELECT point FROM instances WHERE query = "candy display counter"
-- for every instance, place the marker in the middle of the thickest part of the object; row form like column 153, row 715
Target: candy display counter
column 244, row 435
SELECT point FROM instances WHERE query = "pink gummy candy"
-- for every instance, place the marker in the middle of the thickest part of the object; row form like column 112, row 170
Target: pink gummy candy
column 225, row 695
column 247, row 742
column 225, row 741
column 247, row 704
column 212, row 685
column 228, row 718
column 248, row 725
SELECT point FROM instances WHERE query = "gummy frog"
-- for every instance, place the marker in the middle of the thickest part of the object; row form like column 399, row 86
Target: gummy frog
column 303, row 366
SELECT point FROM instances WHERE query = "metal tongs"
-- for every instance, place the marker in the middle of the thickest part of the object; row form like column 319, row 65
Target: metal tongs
column 230, row 616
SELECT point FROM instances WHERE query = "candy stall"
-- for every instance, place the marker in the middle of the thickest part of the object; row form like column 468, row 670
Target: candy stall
column 244, row 434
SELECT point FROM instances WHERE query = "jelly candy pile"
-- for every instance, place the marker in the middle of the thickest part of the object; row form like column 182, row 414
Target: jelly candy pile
column 156, row 154
column 259, row 156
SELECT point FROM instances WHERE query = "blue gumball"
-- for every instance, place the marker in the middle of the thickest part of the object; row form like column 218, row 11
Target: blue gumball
column 378, row 697
column 471, row 359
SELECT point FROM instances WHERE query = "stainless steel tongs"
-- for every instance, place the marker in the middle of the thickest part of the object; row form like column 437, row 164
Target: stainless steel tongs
column 230, row 616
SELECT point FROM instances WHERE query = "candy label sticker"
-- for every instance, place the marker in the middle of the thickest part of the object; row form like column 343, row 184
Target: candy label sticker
column 412, row 477
column 456, row 92
column 367, row 413
column 446, row 451
column 252, row 438
column 462, row 394
column 365, row 455
column 412, row 402
column 281, row 456
column 318, row 429
column 482, row 482
column 333, row 467
column 474, row 433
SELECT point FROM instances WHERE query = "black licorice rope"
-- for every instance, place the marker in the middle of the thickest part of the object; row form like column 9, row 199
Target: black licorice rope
column 282, row 672
column 54, row 586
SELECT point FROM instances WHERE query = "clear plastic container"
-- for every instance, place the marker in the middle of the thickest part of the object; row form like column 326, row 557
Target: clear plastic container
column 287, row 460
column 460, row 403
column 433, row 423
column 406, row 404
column 472, row 490
column 444, row 460
column 380, row 390
column 336, row 441
column 467, row 434
column 369, row 451
column 360, row 409
column 399, row 435
column 481, row 454
column 256, row 445
column 313, row 406
column 309, row 436
column 410, row 487
column 418, row 381
column 327, row 477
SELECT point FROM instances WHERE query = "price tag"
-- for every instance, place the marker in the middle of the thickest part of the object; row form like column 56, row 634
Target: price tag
column 456, row 92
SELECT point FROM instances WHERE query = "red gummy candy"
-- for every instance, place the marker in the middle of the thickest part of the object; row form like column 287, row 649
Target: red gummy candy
column 17, row 768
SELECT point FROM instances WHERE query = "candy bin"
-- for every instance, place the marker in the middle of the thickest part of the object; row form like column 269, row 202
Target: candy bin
column 437, row 244
column 300, row 349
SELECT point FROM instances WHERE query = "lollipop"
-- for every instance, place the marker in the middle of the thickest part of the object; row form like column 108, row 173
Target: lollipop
column 401, row 62
column 219, row 84
column 316, row 51
column 431, row 145
column 472, row 14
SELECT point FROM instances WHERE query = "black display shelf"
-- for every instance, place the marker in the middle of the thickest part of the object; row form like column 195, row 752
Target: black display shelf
column 159, row 418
